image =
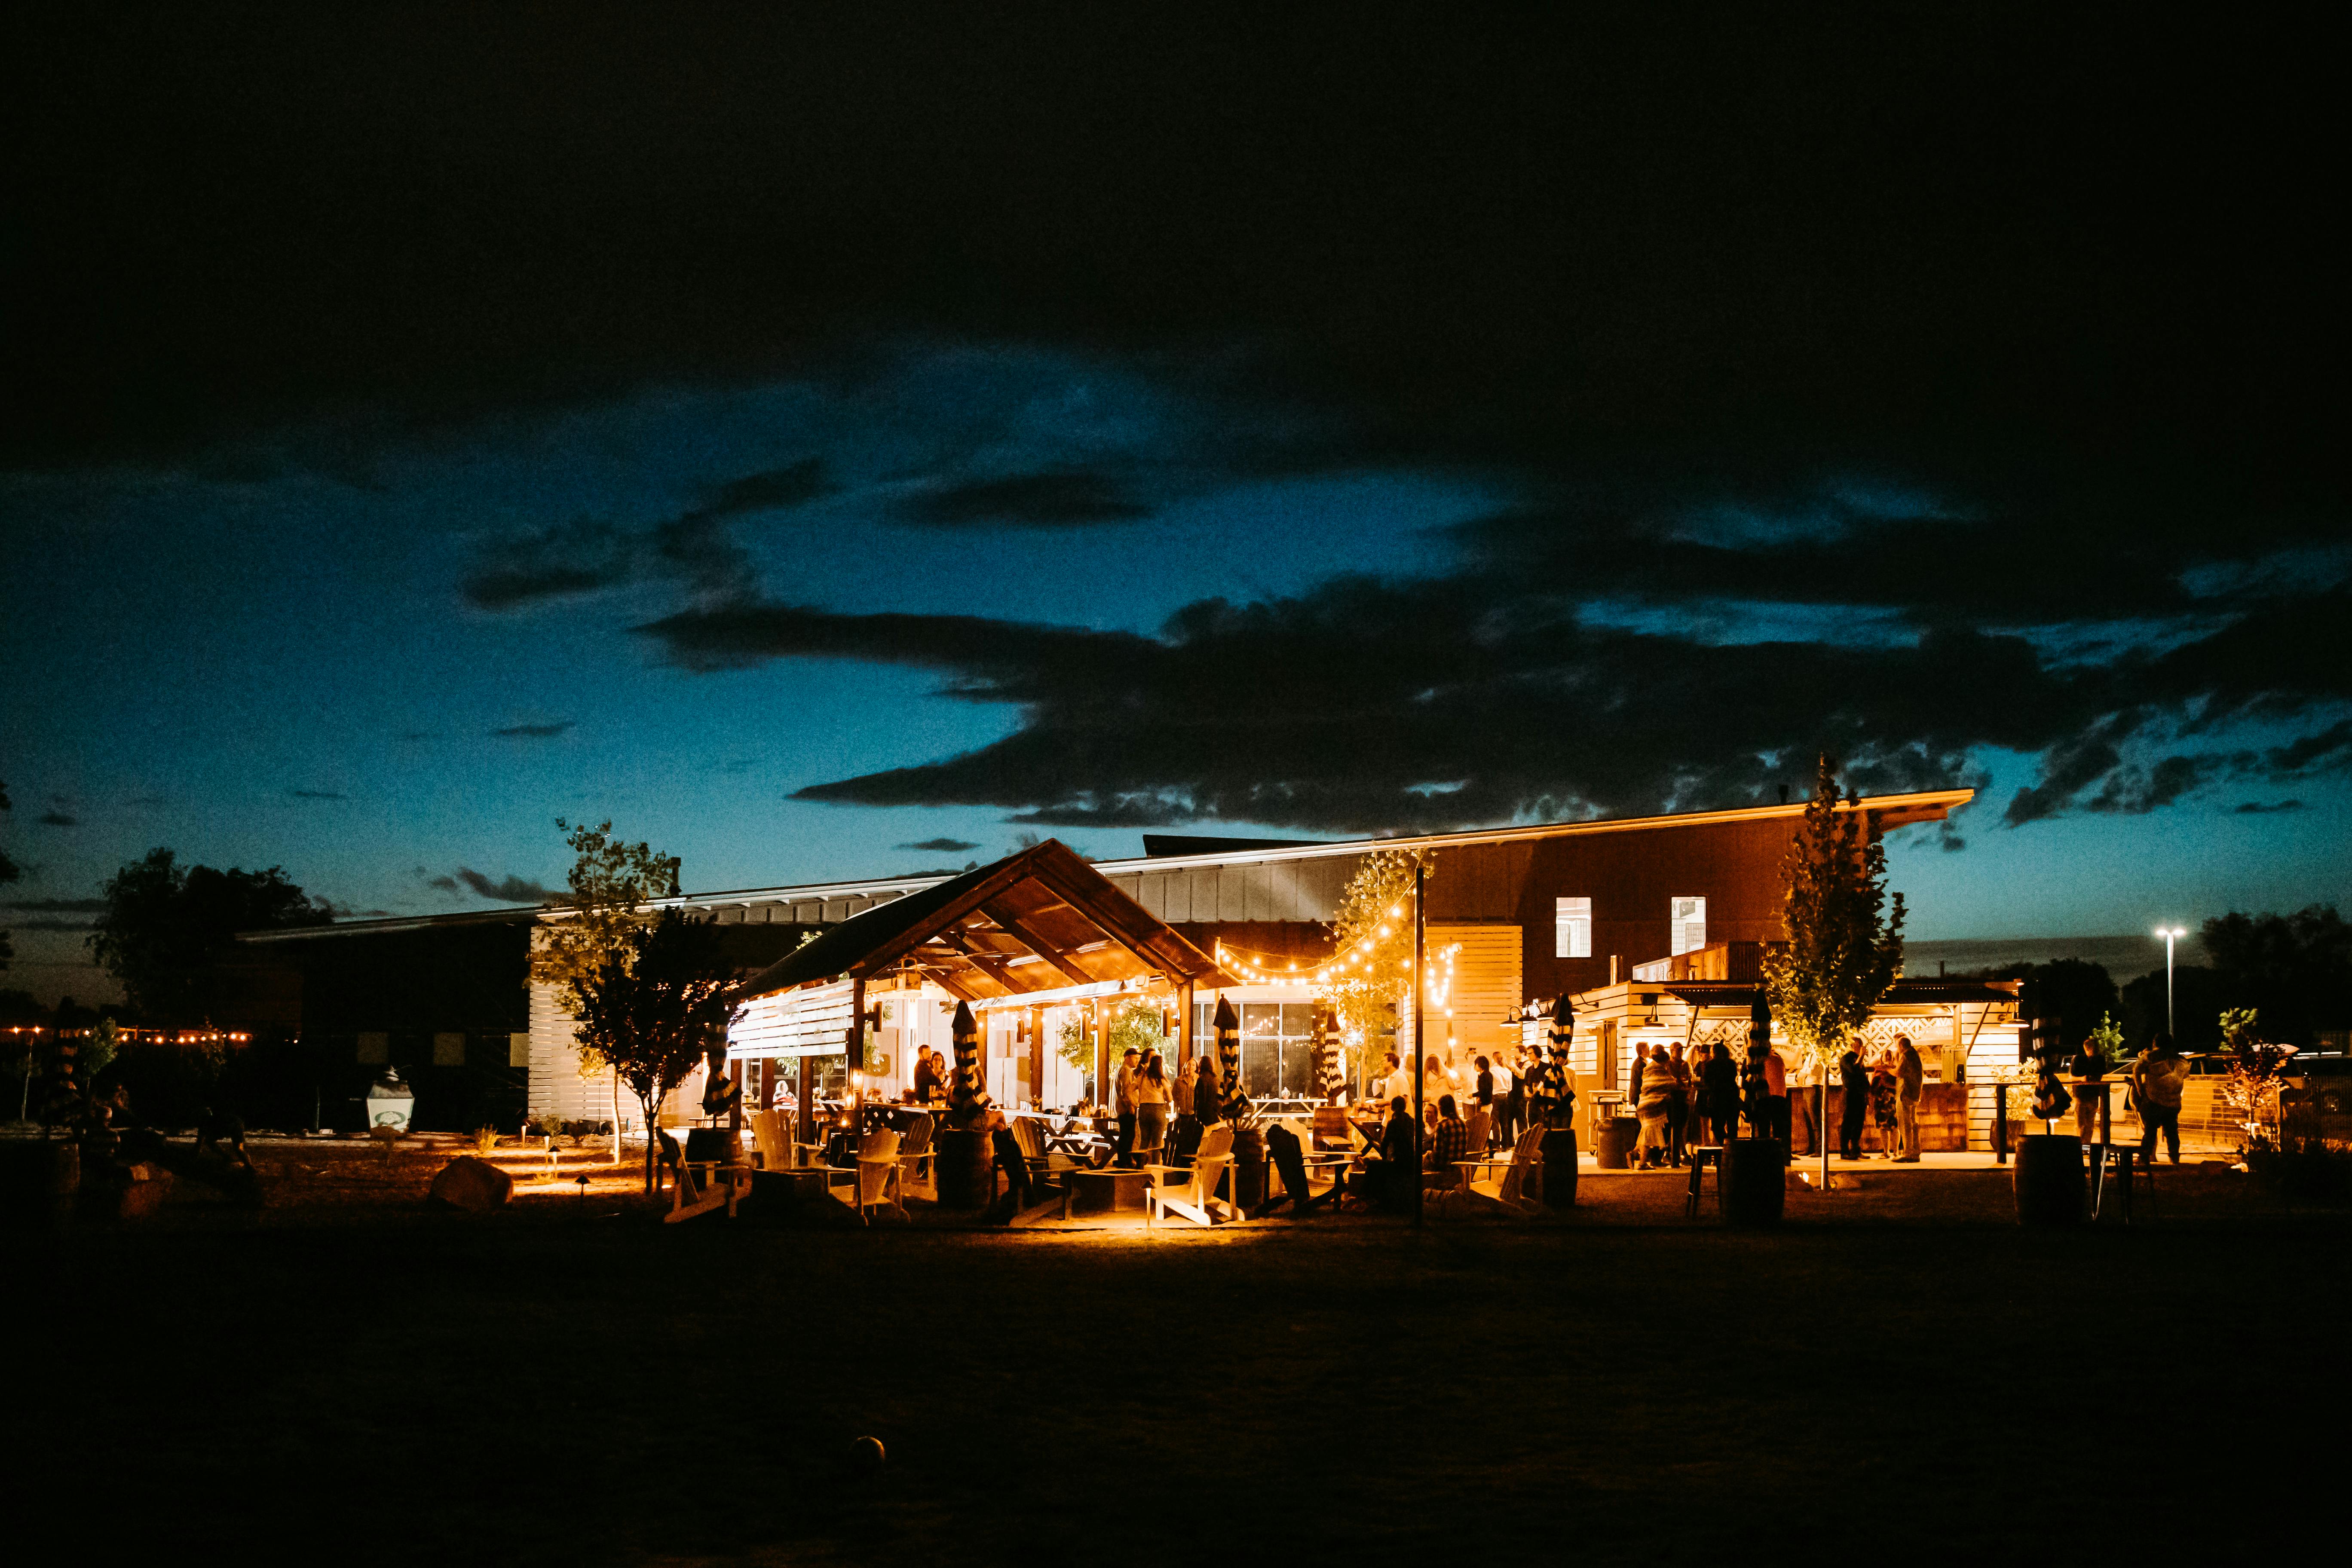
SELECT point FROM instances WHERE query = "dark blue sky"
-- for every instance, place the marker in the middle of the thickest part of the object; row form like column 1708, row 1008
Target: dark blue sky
column 802, row 476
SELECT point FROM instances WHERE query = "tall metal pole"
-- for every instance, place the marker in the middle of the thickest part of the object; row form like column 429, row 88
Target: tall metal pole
column 1419, row 1057
column 2167, row 983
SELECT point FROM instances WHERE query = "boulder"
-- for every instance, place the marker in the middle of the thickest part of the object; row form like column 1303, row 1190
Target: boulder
column 473, row 1185
column 145, row 1193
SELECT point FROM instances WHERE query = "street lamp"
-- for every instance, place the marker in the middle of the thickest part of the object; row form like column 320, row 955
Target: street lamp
column 2170, row 934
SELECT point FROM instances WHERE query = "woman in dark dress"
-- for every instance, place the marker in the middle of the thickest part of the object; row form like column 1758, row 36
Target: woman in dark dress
column 1722, row 1092
column 1853, row 1090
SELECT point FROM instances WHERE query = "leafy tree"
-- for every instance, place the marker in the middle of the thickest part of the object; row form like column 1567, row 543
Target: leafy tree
column 2073, row 989
column 165, row 929
column 2295, row 970
column 1371, row 965
column 2256, row 1069
column 2199, row 997
column 9, row 872
column 653, row 1012
column 1844, row 944
column 610, row 882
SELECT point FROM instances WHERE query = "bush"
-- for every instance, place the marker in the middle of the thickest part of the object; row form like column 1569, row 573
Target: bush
column 2303, row 1170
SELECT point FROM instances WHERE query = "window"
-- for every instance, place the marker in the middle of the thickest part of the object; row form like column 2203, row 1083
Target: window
column 1687, row 924
column 1572, row 928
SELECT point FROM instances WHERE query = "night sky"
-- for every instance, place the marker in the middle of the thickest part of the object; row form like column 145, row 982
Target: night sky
column 832, row 445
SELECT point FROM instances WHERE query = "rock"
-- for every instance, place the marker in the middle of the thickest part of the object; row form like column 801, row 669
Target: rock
column 150, row 1184
column 475, row 1185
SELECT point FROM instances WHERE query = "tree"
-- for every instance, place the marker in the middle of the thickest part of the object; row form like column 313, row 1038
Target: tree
column 1846, row 945
column 2075, row 990
column 2295, row 970
column 652, row 1011
column 165, row 929
column 9, row 872
column 1371, row 941
column 611, row 883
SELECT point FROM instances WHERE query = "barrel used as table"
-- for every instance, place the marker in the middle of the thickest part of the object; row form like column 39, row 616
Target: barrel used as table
column 1560, row 1168
column 1247, row 1172
column 2049, row 1179
column 1754, row 1181
column 963, row 1161
column 1613, row 1143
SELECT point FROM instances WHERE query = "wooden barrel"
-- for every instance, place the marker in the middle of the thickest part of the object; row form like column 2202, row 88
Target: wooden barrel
column 1560, row 1168
column 962, row 1159
column 1613, row 1143
column 1755, row 1181
column 1248, row 1169
column 2049, row 1178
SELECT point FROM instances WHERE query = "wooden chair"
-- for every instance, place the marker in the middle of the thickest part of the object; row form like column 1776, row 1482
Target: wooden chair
column 1333, row 1130
column 875, row 1174
column 1048, row 1167
column 1286, row 1152
column 1192, row 1192
column 1507, row 1189
column 721, row 1186
column 916, row 1177
column 1482, row 1127
column 771, row 1140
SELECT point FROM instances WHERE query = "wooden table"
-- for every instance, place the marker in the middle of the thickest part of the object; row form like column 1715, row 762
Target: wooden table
column 1107, row 1191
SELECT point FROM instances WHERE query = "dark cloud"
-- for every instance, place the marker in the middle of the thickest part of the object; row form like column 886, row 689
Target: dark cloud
column 317, row 795
column 1497, row 692
column 942, row 846
column 2257, row 808
column 1056, row 497
column 532, row 731
column 55, row 818
column 510, row 891
column 445, row 884
column 695, row 548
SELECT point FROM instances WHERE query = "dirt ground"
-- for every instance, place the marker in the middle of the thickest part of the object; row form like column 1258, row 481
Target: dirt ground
column 1896, row 1371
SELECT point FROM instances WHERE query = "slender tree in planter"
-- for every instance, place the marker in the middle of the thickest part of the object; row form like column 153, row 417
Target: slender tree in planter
column 653, row 1017
column 1370, row 966
column 610, row 882
column 1845, row 944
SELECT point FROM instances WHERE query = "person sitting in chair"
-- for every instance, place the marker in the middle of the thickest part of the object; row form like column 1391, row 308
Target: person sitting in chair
column 1449, row 1142
column 1388, row 1172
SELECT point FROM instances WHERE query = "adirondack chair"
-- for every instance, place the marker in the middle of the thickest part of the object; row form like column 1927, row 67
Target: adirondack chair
column 771, row 1138
column 1334, row 1133
column 1505, row 1185
column 876, row 1174
column 1286, row 1151
column 1192, row 1192
column 1047, row 1167
column 724, row 1186
column 1482, row 1127
column 916, row 1175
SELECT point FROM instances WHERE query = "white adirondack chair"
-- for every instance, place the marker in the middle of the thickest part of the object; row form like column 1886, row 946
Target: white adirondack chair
column 1505, row 1185
column 916, row 1176
column 771, row 1137
column 875, row 1172
column 1193, row 1193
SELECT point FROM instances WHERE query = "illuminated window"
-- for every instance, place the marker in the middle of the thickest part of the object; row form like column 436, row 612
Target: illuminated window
column 1572, row 928
column 1688, row 921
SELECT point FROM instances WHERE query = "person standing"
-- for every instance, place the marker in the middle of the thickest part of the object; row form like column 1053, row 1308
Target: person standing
column 2090, row 1065
column 1510, row 1100
column 1208, row 1099
column 1723, row 1092
column 1854, row 1103
column 1678, row 1104
column 1751, row 1093
column 1776, row 1097
column 1484, row 1090
column 1123, row 1101
column 1654, row 1097
column 1910, row 1083
column 2157, row 1077
column 1150, row 1091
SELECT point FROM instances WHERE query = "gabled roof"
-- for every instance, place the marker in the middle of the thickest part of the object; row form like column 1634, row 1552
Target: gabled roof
column 1043, row 920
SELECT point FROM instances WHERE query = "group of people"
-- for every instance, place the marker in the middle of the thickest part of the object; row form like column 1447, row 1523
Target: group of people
column 1704, row 1096
column 1886, row 1090
column 2154, row 1080
column 1516, row 1089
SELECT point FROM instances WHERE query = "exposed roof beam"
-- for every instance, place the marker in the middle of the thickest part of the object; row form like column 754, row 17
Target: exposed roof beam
column 1039, row 945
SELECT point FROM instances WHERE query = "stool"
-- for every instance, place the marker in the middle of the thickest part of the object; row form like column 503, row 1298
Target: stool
column 2109, row 1161
column 1703, row 1155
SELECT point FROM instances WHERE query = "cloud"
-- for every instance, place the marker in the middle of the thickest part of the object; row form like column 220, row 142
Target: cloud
column 445, row 884
column 511, row 890
column 2256, row 808
column 317, row 795
column 532, row 731
column 1332, row 710
column 942, row 846
column 55, row 906
column 1050, row 498
column 55, row 818
column 694, row 548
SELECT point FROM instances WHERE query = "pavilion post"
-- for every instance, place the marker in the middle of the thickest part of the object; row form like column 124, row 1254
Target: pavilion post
column 1184, row 1043
column 1419, row 1057
column 853, row 1054
column 1101, row 1014
column 1036, row 1057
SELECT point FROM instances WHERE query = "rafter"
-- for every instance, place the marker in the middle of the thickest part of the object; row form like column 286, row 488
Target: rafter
column 1038, row 944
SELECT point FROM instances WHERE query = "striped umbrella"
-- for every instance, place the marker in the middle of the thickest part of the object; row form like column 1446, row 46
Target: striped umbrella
column 1330, row 1076
column 1235, row 1104
column 969, row 1095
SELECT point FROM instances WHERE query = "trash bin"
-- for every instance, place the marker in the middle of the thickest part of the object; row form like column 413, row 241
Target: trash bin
column 1560, row 1168
column 1755, row 1181
column 2049, row 1179
column 1613, row 1147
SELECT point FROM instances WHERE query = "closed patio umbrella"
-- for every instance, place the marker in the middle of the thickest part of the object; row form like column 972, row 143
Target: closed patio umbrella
column 1228, row 1024
column 1329, row 1076
column 970, row 1096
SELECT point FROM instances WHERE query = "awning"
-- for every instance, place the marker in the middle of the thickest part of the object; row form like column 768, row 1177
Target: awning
column 1043, row 920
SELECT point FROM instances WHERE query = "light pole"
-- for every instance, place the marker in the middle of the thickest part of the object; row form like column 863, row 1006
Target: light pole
column 2170, row 934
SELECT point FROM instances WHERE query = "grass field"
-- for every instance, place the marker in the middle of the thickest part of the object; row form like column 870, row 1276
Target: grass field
column 548, row 1384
